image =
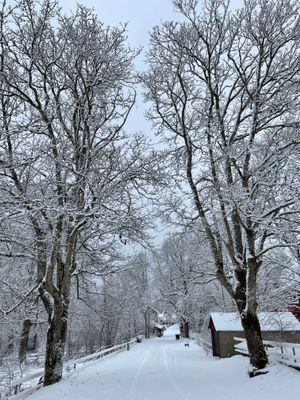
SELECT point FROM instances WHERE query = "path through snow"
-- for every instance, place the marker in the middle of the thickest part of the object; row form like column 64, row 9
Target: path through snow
column 164, row 369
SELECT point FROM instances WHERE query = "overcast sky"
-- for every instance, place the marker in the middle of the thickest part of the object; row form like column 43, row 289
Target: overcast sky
column 142, row 16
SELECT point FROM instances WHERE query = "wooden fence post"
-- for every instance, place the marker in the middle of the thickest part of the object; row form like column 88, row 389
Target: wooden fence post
column 294, row 353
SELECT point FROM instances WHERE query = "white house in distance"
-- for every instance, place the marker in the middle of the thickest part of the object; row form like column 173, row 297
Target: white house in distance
column 277, row 326
column 166, row 318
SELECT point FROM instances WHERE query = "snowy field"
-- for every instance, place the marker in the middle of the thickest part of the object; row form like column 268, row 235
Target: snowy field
column 164, row 369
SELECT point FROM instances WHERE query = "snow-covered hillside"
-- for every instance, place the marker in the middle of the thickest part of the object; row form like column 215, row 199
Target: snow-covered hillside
column 166, row 369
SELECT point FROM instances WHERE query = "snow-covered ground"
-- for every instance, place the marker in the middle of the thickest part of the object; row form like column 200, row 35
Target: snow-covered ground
column 164, row 369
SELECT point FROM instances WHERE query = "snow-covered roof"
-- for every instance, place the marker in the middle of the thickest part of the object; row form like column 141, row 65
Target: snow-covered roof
column 172, row 330
column 158, row 326
column 269, row 321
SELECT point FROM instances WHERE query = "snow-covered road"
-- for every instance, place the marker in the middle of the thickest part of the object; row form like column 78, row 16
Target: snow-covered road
column 164, row 369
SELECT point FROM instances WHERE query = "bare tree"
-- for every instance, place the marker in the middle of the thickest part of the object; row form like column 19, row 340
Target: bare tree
column 67, row 168
column 224, row 92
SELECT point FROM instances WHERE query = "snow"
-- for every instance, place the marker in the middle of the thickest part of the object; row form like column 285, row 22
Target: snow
column 163, row 368
column 172, row 331
column 269, row 321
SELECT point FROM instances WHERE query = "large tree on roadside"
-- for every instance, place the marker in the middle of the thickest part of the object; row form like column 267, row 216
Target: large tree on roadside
column 67, row 168
column 224, row 89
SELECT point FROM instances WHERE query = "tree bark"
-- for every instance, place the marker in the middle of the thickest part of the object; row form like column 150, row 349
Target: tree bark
column 24, row 340
column 186, row 329
column 247, row 304
column 147, row 323
column 56, row 340
column 257, row 354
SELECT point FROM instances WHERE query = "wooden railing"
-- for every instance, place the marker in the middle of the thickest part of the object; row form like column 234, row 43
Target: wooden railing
column 34, row 381
column 207, row 346
column 286, row 353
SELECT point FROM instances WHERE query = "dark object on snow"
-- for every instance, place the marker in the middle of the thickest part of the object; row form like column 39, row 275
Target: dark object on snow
column 256, row 372
column 177, row 336
column 186, row 345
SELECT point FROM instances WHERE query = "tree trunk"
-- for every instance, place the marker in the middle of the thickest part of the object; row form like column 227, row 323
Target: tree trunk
column 34, row 342
column 55, row 345
column 185, row 328
column 24, row 340
column 108, row 335
column 257, row 354
column 147, row 323
column 247, row 305
column 250, row 322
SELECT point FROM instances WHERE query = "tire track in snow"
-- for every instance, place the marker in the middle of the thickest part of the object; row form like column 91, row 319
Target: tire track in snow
column 175, row 385
column 134, row 383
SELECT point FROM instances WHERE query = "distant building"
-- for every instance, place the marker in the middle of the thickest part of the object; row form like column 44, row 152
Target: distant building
column 277, row 326
column 166, row 318
column 156, row 321
column 158, row 329
column 295, row 308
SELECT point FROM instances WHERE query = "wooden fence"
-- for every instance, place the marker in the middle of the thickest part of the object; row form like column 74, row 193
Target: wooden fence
column 285, row 353
column 207, row 346
column 34, row 381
